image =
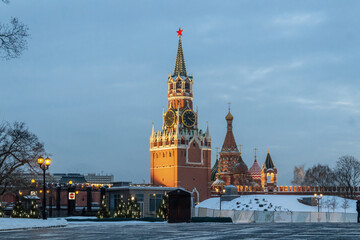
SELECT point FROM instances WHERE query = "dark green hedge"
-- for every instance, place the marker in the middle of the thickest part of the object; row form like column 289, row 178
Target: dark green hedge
column 211, row 219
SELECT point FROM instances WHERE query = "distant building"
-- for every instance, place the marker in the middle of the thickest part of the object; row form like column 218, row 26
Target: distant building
column 75, row 178
column 38, row 178
column 93, row 178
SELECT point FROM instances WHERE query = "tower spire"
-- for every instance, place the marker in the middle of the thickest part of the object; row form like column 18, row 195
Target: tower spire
column 180, row 68
column 255, row 149
column 207, row 129
column 153, row 130
column 240, row 149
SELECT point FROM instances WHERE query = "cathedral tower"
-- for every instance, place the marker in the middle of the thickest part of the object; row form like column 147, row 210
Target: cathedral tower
column 231, row 167
column 268, row 174
column 181, row 153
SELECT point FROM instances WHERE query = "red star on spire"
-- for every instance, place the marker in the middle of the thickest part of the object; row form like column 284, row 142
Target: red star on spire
column 180, row 32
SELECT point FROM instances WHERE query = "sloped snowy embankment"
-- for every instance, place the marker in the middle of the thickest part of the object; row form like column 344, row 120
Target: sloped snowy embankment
column 278, row 203
column 25, row 223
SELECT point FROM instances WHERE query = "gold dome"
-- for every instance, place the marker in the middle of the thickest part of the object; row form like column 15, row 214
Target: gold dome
column 229, row 116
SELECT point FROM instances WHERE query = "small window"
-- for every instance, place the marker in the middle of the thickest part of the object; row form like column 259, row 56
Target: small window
column 139, row 197
column 155, row 201
column 187, row 85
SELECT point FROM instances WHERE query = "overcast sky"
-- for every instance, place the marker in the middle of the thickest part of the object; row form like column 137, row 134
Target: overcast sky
column 94, row 78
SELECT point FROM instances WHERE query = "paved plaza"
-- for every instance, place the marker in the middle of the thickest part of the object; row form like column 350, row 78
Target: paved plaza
column 130, row 230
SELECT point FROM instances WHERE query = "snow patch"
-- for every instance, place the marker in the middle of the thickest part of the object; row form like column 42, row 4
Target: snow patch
column 277, row 203
column 26, row 223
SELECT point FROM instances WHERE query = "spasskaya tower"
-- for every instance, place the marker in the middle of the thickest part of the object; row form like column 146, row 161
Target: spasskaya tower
column 181, row 153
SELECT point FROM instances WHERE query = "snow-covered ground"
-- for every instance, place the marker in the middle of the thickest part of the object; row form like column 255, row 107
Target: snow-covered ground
column 277, row 203
column 26, row 223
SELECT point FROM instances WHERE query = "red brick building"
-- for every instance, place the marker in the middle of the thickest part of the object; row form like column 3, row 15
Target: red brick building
column 232, row 169
column 181, row 153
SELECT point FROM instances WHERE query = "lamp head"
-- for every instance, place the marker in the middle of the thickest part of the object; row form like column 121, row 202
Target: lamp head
column 40, row 160
column 47, row 162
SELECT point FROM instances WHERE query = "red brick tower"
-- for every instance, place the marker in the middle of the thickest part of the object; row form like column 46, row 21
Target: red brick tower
column 181, row 153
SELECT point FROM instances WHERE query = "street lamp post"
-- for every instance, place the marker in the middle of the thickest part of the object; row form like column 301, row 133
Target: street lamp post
column 44, row 165
column 218, row 185
column 318, row 198
column 220, row 191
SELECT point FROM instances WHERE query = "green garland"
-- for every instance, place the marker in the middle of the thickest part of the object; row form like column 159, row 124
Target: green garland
column 132, row 208
column 120, row 210
column 163, row 210
column 34, row 211
column 18, row 210
column 104, row 210
column 2, row 214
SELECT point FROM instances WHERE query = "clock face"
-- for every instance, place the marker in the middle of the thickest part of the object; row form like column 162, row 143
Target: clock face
column 188, row 118
column 169, row 118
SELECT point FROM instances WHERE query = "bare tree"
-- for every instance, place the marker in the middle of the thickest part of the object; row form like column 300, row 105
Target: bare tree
column 320, row 176
column 345, row 204
column 333, row 203
column 326, row 203
column 347, row 173
column 19, row 149
column 13, row 38
column 299, row 174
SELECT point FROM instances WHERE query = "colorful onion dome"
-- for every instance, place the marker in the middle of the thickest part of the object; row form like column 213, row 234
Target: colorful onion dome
column 255, row 171
column 240, row 167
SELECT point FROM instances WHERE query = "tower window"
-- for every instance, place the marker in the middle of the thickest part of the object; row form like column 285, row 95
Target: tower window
column 178, row 84
column 187, row 86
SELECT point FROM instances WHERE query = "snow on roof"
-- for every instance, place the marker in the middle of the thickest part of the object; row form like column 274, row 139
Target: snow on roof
column 31, row 197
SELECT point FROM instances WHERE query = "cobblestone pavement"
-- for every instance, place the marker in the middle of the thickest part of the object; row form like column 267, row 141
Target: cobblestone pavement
column 191, row 231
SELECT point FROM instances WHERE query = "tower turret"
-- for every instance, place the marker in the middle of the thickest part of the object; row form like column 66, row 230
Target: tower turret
column 268, row 174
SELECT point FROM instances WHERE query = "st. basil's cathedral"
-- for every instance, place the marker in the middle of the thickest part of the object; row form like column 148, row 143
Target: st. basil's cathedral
column 180, row 154
column 231, row 169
